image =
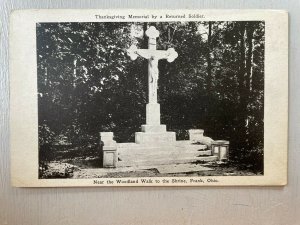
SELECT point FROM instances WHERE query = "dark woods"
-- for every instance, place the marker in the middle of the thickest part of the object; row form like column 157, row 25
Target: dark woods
column 87, row 83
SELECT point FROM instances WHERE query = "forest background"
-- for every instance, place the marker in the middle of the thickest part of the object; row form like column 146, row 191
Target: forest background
column 88, row 84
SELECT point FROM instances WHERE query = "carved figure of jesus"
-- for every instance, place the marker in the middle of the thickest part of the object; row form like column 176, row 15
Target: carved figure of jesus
column 153, row 72
column 153, row 55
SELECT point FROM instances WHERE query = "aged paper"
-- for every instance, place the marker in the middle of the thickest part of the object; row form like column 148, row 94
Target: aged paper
column 148, row 97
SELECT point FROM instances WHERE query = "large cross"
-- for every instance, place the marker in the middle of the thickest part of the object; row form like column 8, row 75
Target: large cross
column 153, row 55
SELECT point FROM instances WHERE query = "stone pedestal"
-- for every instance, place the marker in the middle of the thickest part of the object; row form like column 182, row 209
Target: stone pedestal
column 110, row 157
column 154, row 128
column 220, row 148
column 109, row 150
column 153, row 133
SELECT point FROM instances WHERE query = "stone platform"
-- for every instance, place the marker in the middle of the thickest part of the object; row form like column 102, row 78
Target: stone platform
column 156, row 146
column 132, row 154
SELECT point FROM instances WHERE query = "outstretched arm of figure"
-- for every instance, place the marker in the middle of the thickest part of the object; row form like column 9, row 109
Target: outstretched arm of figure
column 134, row 52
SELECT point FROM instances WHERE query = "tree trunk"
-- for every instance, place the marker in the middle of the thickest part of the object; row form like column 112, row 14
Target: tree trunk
column 145, row 39
column 242, row 63
column 250, row 31
column 208, row 58
column 242, row 108
column 74, row 71
column 46, row 76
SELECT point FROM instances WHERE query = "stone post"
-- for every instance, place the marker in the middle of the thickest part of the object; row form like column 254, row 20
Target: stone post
column 196, row 135
column 220, row 148
column 109, row 150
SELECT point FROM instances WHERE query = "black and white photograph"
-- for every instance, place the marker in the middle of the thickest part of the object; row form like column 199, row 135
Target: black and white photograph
column 149, row 112
column 150, row 99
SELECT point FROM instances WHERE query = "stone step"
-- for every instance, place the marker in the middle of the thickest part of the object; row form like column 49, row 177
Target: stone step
column 183, row 142
column 159, row 145
column 164, row 161
column 163, row 154
column 144, row 146
column 161, row 150
column 155, row 138
column 193, row 147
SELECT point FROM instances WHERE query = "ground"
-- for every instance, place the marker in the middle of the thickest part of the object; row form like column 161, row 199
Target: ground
column 89, row 168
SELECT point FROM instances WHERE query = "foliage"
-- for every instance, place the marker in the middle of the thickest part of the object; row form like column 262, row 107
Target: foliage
column 56, row 170
column 87, row 83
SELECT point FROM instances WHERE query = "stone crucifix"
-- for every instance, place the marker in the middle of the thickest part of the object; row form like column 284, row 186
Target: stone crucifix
column 153, row 55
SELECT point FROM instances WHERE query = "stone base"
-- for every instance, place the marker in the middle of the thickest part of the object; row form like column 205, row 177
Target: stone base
column 156, row 138
column 110, row 157
column 154, row 128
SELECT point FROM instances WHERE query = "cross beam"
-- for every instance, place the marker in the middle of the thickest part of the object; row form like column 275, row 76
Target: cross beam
column 153, row 55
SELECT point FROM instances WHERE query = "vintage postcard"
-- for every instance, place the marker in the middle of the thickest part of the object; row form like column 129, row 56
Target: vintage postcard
column 148, row 97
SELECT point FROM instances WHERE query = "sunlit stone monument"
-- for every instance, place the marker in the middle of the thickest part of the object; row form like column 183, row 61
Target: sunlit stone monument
column 154, row 145
column 153, row 132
